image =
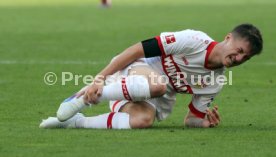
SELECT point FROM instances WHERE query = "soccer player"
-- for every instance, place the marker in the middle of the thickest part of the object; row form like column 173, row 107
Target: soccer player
column 106, row 3
column 149, row 74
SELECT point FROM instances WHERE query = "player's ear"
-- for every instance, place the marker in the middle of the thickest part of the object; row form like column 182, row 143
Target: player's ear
column 228, row 36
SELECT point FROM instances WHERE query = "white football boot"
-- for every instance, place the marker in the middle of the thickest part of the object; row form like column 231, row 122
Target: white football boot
column 53, row 122
column 69, row 107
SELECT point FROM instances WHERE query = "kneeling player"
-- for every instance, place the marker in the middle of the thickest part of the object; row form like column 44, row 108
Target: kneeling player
column 179, row 57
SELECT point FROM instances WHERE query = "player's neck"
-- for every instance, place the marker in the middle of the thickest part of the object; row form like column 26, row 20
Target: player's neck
column 214, row 60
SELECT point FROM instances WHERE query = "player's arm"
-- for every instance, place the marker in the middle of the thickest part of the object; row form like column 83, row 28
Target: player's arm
column 211, row 119
column 128, row 56
column 147, row 48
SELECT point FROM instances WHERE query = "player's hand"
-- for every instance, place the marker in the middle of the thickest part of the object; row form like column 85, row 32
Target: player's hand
column 213, row 117
column 81, row 92
column 94, row 91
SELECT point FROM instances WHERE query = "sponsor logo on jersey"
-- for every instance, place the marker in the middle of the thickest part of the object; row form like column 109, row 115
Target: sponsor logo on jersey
column 170, row 39
column 177, row 78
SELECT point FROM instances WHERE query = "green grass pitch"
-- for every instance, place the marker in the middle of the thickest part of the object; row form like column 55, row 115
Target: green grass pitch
column 80, row 37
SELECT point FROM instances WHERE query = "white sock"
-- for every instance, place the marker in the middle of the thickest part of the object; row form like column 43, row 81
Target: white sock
column 112, row 120
column 132, row 88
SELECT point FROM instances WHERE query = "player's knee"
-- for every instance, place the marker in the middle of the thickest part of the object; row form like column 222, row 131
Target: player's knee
column 142, row 114
column 158, row 90
column 141, row 121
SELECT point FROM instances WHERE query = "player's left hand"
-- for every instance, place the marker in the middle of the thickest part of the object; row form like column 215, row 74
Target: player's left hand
column 213, row 116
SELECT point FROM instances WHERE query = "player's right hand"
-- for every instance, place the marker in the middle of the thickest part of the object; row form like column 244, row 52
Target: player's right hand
column 94, row 91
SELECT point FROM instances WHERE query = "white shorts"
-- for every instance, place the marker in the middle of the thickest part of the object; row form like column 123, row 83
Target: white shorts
column 163, row 105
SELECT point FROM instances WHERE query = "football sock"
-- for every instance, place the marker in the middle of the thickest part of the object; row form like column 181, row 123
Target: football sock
column 132, row 88
column 112, row 120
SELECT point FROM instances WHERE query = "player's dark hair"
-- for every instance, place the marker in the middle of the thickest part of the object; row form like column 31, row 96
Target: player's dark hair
column 252, row 34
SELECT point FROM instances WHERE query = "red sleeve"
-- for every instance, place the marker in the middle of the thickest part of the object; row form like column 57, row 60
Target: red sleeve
column 196, row 112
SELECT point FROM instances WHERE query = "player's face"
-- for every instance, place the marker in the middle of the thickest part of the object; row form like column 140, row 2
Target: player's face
column 236, row 51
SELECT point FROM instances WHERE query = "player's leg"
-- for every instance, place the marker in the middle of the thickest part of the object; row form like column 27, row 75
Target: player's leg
column 53, row 122
column 132, row 88
column 156, row 83
column 141, row 84
column 131, row 115
column 142, row 114
column 71, row 106
column 138, row 87
column 112, row 120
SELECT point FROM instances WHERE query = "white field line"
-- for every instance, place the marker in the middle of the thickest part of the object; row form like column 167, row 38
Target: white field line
column 33, row 62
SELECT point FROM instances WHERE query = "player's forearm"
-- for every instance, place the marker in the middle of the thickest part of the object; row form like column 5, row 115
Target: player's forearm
column 122, row 60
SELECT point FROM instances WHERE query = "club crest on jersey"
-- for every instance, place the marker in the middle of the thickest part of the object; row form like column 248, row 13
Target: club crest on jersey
column 170, row 39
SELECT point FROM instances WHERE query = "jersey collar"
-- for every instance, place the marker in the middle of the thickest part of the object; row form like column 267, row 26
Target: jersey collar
column 209, row 50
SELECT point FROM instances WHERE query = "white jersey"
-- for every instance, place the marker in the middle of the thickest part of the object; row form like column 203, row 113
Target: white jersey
column 184, row 62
